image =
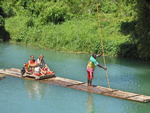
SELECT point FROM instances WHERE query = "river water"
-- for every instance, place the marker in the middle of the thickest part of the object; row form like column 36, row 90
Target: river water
column 25, row 96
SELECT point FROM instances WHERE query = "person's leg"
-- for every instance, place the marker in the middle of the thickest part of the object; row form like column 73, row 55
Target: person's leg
column 89, row 82
column 48, row 69
column 42, row 72
column 91, row 77
column 88, row 76
column 32, row 69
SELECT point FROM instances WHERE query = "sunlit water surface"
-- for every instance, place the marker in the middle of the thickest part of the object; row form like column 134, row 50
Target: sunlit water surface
column 24, row 96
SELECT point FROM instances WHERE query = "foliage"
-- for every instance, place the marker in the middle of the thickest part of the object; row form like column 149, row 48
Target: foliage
column 143, row 29
column 108, row 6
column 2, row 21
column 8, row 11
column 4, row 35
column 72, row 25
column 30, row 22
column 56, row 13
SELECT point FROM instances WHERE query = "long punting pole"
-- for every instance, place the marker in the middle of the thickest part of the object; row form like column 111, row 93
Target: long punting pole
column 102, row 44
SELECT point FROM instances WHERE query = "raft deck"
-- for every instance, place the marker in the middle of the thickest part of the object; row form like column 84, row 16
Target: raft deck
column 81, row 86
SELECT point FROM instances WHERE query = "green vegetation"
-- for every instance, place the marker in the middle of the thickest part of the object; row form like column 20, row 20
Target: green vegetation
column 71, row 25
column 4, row 35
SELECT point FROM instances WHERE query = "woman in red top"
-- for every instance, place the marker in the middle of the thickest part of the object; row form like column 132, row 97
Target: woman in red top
column 32, row 63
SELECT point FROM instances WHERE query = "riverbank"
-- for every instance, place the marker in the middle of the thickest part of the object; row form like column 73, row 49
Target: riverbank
column 71, row 37
column 75, row 29
column 73, row 26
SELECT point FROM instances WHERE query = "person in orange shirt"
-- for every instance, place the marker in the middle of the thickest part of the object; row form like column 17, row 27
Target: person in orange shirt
column 32, row 63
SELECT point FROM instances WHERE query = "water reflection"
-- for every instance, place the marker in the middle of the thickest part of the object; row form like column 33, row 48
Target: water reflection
column 35, row 89
column 90, row 108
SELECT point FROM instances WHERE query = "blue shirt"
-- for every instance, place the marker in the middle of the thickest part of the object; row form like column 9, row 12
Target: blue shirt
column 93, row 60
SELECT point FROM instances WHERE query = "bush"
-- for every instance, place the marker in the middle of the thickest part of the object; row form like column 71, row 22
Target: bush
column 108, row 6
column 56, row 13
column 2, row 21
column 29, row 22
column 9, row 11
column 128, row 50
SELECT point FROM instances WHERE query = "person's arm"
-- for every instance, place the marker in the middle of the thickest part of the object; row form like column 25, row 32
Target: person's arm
column 101, row 67
column 32, row 65
column 46, row 65
column 39, row 61
column 29, row 63
column 100, row 54
column 35, row 63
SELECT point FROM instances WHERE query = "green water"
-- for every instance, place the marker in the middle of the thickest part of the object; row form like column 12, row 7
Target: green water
column 24, row 96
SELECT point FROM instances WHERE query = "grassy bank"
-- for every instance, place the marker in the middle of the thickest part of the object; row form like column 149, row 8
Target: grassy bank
column 78, row 35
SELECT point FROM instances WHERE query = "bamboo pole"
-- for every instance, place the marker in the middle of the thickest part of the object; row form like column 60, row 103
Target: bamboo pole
column 58, row 34
column 102, row 44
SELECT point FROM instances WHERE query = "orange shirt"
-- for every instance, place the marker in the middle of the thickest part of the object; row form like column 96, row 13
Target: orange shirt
column 32, row 62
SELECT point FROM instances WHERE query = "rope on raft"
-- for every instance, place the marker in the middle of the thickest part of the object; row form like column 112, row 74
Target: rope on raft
column 102, row 44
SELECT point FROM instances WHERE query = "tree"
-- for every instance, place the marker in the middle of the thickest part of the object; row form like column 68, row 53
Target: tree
column 143, row 28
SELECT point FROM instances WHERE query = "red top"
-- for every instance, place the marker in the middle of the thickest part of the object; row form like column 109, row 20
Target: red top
column 32, row 61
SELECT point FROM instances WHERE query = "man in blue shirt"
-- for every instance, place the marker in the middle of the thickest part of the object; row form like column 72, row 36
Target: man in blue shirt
column 91, row 66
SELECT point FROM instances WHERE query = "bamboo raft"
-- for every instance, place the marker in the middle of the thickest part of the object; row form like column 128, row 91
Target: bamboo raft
column 81, row 86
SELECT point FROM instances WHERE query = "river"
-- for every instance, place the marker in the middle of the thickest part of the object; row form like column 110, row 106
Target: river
column 25, row 96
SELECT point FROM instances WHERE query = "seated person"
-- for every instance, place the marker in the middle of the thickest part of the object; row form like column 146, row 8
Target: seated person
column 41, row 63
column 38, row 71
column 32, row 63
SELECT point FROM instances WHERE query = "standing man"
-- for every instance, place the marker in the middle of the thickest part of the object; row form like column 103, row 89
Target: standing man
column 91, row 66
